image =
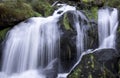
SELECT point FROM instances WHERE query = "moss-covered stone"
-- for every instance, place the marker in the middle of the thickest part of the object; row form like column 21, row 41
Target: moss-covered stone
column 66, row 22
column 92, row 13
column 3, row 34
column 113, row 3
column 96, row 65
column 12, row 13
column 43, row 7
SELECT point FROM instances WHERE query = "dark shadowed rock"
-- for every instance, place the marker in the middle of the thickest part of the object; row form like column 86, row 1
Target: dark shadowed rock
column 68, row 50
column 100, row 64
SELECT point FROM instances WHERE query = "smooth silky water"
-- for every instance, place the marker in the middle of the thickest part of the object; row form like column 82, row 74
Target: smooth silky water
column 33, row 44
column 107, row 27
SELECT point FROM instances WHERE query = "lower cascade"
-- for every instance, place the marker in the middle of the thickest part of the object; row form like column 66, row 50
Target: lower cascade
column 32, row 48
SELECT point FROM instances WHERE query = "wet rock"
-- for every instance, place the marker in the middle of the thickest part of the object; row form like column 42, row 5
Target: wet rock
column 67, row 50
column 92, row 35
column 100, row 64
column 118, row 34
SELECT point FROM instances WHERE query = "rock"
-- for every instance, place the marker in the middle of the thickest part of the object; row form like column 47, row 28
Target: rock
column 11, row 13
column 67, row 44
column 113, row 3
column 100, row 64
column 68, row 38
column 67, row 50
column 118, row 33
column 43, row 7
column 92, row 35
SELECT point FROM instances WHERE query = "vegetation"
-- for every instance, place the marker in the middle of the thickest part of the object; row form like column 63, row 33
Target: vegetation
column 12, row 12
column 66, row 22
column 3, row 33
column 42, row 7
column 90, row 67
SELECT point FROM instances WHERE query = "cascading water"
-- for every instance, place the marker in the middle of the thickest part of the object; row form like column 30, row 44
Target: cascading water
column 107, row 27
column 31, row 44
column 80, row 23
column 27, row 46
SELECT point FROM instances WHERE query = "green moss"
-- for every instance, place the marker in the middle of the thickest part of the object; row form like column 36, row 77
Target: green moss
column 86, row 1
column 13, row 12
column 66, row 22
column 3, row 33
column 85, row 70
column 76, row 73
column 113, row 3
column 92, row 13
column 92, row 60
column 90, row 75
column 43, row 7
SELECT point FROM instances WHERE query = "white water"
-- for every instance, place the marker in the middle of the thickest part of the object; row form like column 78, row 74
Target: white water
column 107, row 27
column 79, row 23
column 62, row 75
column 35, row 43
column 31, row 44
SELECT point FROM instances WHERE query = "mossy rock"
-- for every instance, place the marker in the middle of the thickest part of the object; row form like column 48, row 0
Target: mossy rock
column 89, row 68
column 3, row 34
column 43, row 7
column 113, row 3
column 96, row 65
column 12, row 13
column 66, row 22
column 92, row 13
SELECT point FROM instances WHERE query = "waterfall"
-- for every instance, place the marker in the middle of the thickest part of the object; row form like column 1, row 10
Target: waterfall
column 80, row 23
column 29, row 43
column 32, row 44
column 107, row 27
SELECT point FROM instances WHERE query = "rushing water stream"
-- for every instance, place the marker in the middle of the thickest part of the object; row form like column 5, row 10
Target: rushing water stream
column 107, row 26
column 32, row 46
column 80, row 24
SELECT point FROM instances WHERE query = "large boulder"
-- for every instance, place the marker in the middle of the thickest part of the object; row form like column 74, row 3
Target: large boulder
column 99, row 64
